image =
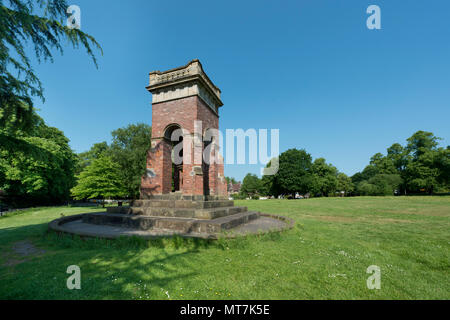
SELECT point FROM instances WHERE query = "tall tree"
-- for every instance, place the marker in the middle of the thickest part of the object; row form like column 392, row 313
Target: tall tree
column 100, row 180
column 251, row 185
column 85, row 158
column 398, row 155
column 20, row 25
column 36, row 166
column 325, row 177
column 368, row 172
column 421, row 142
column 295, row 172
column 380, row 185
column 344, row 183
column 129, row 150
column 422, row 171
column 268, row 185
column 382, row 164
column 400, row 159
column 442, row 163
column 420, row 166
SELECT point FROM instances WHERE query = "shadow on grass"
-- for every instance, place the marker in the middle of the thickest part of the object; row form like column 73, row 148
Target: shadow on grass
column 8, row 235
column 111, row 269
column 50, row 238
column 123, row 268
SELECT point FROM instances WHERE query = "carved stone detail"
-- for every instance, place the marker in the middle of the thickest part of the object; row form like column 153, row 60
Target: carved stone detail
column 183, row 82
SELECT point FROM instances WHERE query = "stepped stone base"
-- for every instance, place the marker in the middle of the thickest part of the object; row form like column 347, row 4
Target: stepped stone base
column 174, row 211
column 173, row 214
column 185, row 225
column 75, row 226
column 180, row 208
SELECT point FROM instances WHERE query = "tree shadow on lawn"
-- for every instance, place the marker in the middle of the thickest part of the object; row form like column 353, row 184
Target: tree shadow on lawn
column 114, row 269
column 12, row 234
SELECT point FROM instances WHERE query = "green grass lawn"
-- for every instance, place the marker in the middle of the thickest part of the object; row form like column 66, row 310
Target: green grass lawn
column 324, row 257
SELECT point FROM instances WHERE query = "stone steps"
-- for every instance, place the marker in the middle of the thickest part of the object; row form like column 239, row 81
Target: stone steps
column 212, row 213
column 176, row 213
column 185, row 225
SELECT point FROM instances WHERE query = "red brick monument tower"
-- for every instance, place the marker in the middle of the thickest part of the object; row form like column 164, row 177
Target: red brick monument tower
column 185, row 99
column 183, row 191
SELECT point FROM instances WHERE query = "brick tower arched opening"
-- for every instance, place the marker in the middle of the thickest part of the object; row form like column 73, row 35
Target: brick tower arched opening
column 183, row 98
column 173, row 135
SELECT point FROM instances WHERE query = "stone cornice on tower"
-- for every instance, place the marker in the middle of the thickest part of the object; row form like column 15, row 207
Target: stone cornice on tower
column 181, row 82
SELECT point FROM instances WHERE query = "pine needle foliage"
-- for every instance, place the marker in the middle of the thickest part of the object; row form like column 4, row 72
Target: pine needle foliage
column 39, row 24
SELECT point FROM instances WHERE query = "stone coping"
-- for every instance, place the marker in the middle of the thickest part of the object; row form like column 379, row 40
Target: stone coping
column 269, row 223
column 197, row 70
column 174, row 83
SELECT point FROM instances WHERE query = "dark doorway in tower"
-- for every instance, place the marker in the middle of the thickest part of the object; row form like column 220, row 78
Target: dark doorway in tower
column 175, row 138
column 205, row 168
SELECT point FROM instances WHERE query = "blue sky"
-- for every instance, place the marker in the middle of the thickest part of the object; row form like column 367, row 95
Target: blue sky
column 309, row 68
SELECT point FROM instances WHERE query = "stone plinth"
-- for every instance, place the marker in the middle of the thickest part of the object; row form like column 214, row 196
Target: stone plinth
column 175, row 211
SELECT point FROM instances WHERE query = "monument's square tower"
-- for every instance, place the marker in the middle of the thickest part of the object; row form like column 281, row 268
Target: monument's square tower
column 186, row 197
column 183, row 98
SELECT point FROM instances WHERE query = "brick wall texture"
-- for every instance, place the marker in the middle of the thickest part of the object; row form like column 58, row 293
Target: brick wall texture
column 183, row 113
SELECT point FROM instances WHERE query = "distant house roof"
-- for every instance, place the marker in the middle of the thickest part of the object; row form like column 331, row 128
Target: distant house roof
column 234, row 187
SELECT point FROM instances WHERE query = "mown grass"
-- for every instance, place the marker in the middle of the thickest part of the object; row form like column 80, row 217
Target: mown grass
column 325, row 256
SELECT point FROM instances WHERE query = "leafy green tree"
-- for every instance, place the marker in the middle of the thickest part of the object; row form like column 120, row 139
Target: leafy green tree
column 85, row 158
column 295, row 172
column 368, row 172
column 268, row 185
column 421, row 165
column 365, row 188
column 399, row 156
column 423, row 171
column 251, row 185
column 421, row 142
column 325, row 177
column 393, row 164
column 442, row 163
column 422, row 174
column 41, row 24
column 344, row 183
column 100, row 180
column 36, row 166
column 380, row 185
column 357, row 178
column 382, row 176
column 387, row 183
column 129, row 150
column 382, row 164
column 400, row 159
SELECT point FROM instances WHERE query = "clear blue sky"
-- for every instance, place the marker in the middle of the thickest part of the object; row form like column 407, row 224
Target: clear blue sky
column 309, row 68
